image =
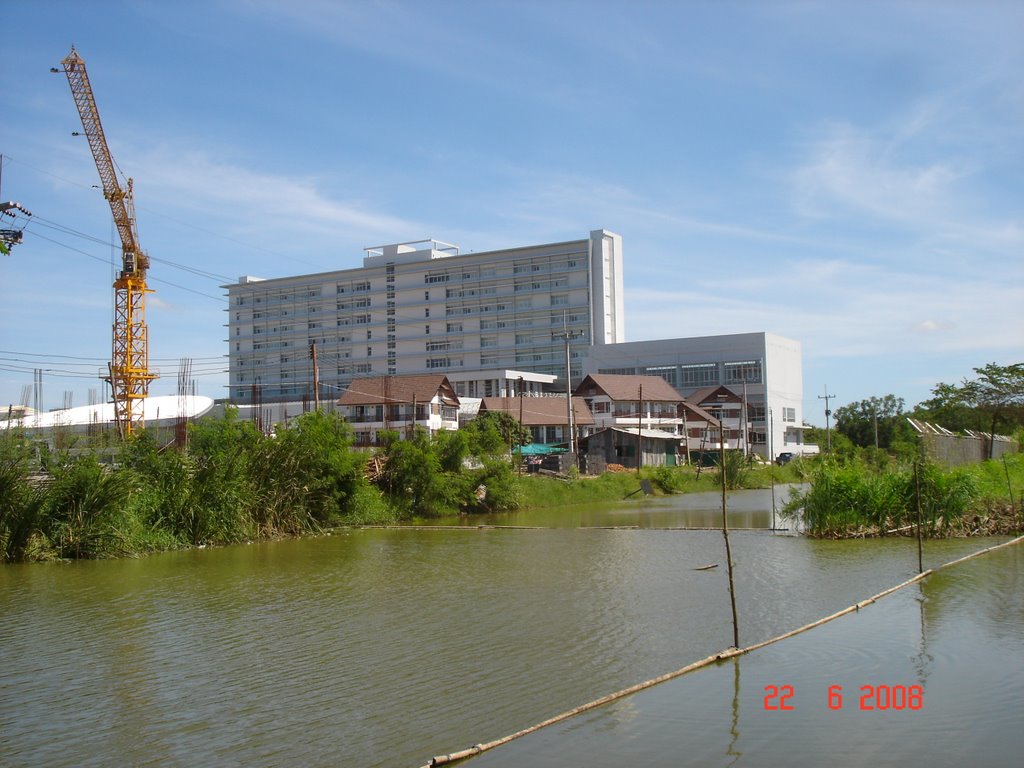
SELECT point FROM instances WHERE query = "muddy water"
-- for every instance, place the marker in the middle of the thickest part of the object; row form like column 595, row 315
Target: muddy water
column 385, row 647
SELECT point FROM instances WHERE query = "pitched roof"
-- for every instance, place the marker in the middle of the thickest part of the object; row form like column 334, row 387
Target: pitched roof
column 377, row 390
column 700, row 412
column 709, row 395
column 540, row 411
column 626, row 387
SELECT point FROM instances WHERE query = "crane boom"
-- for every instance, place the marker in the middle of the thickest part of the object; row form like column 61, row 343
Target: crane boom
column 129, row 373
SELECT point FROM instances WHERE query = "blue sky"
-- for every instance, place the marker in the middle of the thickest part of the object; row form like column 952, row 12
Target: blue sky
column 847, row 174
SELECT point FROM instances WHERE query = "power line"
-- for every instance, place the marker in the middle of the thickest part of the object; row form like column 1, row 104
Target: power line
column 90, row 187
column 151, row 278
column 76, row 357
column 100, row 241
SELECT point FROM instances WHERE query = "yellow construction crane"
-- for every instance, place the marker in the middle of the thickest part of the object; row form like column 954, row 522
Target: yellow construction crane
column 129, row 373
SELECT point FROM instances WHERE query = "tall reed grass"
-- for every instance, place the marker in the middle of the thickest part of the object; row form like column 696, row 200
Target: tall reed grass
column 858, row 499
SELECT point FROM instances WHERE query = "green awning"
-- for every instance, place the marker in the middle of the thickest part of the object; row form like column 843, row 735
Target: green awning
column 539, row 449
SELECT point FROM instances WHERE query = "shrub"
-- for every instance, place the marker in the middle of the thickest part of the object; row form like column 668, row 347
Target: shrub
column 20, row 503
column 84, row 509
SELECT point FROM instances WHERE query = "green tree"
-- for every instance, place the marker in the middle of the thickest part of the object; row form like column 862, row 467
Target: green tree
column 992, row 401
column 495, row 432
column 870, row 422
column 841, row 445
column 413, row 476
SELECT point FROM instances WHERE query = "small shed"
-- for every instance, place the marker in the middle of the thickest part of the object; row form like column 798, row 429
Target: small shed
column 615, row 445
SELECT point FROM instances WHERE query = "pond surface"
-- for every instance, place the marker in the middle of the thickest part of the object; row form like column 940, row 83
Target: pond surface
column 388, row 646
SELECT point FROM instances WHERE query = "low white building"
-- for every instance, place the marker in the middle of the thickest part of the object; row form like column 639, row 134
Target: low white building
column 762, row 370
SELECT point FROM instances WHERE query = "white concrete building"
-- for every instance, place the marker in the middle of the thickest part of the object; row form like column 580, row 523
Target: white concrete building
column 425, row 307
column 765, row 371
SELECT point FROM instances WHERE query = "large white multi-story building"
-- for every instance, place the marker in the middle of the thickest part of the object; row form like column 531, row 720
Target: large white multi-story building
column 763, row 371
column 425, row 307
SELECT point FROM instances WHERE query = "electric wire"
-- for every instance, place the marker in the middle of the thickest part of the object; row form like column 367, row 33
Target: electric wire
column 138, row 207
column 149, row 278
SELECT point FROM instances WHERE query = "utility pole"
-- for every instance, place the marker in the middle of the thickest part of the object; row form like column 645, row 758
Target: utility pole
column 520, row 393
column 828, row 412
column 316, row 376
column 640, row 429
column 568, row 388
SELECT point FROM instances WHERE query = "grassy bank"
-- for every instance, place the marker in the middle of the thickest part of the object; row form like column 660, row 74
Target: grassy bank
column 856, row 499
column 537, row 491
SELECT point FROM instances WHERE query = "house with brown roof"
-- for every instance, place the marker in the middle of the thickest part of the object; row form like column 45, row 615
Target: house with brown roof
column 546, row 417
column 632, row 402
column 727, row 406
column 378, row 403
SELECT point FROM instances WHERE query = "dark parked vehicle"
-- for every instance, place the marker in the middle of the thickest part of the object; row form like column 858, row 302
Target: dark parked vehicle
column 784, row 458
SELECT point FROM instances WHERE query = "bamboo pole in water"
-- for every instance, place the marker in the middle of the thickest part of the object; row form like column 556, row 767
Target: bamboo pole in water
column 728, row 549
column 917, row 487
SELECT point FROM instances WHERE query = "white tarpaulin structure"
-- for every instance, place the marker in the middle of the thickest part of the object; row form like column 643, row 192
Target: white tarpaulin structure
column 162, row 411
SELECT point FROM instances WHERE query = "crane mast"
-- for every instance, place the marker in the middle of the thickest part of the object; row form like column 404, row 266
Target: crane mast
column 129, row 374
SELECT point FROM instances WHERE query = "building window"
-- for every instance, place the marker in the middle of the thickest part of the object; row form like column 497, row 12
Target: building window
column 698, row 375
column 789, row 415
column 748, row 371
column 667, row 372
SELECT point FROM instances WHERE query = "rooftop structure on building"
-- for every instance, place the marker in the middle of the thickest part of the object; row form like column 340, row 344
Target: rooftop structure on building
column 426, row 307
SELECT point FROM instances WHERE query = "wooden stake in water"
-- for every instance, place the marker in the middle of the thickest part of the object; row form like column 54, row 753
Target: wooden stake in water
column 725, row 533
column 917, row 487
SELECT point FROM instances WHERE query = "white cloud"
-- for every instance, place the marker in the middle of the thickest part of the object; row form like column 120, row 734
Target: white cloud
column 838, row 309
column 197, row 180
column 924, row 174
